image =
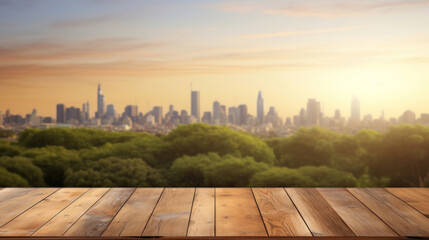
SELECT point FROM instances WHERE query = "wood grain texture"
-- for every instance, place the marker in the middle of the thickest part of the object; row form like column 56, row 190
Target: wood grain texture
column 279, row 214
column 134, row 215
column 401, row 217
column 202, row 215
column 237, row 213
column 320, row 217
column 98, row 217
column 16, row 201
column 171, row 214
column 28, row 222
column 356, row 215
column 416, row 197
column 58, row 225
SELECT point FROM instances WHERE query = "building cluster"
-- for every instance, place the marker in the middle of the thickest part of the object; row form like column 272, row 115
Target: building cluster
column 237, row 117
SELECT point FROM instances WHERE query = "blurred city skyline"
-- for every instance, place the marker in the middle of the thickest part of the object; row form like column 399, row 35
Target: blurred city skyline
column 147, row 53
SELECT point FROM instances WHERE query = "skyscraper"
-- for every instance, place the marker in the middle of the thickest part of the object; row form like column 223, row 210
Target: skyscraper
column 157, row 113
column 195, row 105
column 132, row 112
column 216, row 112
column 61, row 114
column 110, row 110
column 242, row 114
column 1, row 119
column 100, row 102
column 260, row 109
column 313, row 112
column 355, row 110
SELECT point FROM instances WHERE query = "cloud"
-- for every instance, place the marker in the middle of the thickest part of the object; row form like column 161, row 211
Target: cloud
column 298, row 33
column 338, row 9
column 83, row 22
column 231, row 6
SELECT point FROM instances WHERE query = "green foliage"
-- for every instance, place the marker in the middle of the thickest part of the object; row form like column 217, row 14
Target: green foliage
column 24, row 168
column 8, row 179
column 114, row 172
column 203, row 155
column 194, row 139
column 6, row 133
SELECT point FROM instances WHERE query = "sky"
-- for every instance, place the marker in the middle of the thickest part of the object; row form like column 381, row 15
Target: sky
column 149, row 52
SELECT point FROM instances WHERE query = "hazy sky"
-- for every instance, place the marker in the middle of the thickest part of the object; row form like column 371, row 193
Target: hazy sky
column 148, row 52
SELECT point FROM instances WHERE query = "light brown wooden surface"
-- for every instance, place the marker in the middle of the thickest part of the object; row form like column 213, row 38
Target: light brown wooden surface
column 41, row 213
column 171, row 215
column 320, row 217
column 237, row 213
column 134, row 215
column 58, row 225
column 401, row 217
column 213, row 212
column 416, row 197
column 203, row 213
column 279, row 213
column 352, row 211
column 98, row 217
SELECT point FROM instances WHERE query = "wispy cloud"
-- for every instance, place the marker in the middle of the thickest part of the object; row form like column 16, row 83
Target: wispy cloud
column 298, row 33
column 232, row 6
column 337, row 8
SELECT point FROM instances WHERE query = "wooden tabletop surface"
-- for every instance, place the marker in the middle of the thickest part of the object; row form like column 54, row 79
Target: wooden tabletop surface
column 214, row 212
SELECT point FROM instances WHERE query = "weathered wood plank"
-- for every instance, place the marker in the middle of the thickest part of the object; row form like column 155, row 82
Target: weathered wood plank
column 9, row 193
column 237, row 213
column 28, row 222
column 98, row 217
column 317, row 213
column 171, row 214
column 58, row 225
column 356, row 215
column 202, row 214
column 416, row 197
column 401, row 217
column 20, row 200
column 134, row 215
column 279, row 214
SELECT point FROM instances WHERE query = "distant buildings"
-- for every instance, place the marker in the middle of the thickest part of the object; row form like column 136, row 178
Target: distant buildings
column 100, row 102
column 408, row 117
column 61, row 113
column 132, row 111
column 195, row 105
column 313, row 113
column 260, row 109
column 355, row 111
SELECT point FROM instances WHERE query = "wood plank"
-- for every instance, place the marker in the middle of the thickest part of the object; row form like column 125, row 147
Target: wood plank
column 320, row 217
column 171, row 215
column 58, row 225
column 17, row 203
column 416, row 197
column 98, row 217
column 28, row 222
column 401, row 217
column 237, row 213
column 134, row 215
column 202, row 214
column 356, row 215
column 9, row 193
column 279, row 214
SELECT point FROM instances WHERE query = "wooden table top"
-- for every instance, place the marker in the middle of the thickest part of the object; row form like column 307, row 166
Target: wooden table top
column 214, row 212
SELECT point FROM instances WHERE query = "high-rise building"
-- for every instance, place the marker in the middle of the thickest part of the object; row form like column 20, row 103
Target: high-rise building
column 61, row 113
column 110, row 110
column 216, row 112
column 1, row 119
column 132, row 111
column 100, row 102
column 313, row 112
column 72, row 115
column 183, row 117
column 85, row 111
column 337, row 114
column 195, row 105
column 157, row 113
column 408, row 117
column 207, row 118
column 242, row 114
column 272, row 117
column 223, row 118
column 233, row 115
column 260, row 109
column 355, row 110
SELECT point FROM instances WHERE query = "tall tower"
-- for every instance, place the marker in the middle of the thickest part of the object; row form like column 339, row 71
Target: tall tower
column 355, row 110
column 313, row 112
column 216, row 112
column 61, row 114
column 195, row 104
column 260, row 108
column 100, row 102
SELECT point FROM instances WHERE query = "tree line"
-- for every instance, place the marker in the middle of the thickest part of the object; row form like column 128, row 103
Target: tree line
column 198, row 155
